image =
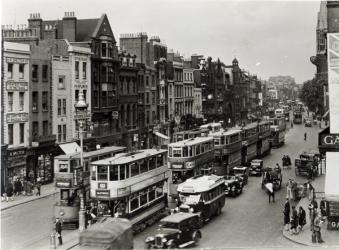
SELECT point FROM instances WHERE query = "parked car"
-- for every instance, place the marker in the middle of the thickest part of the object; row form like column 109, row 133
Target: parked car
column 256, row 167
column 177, row 230
column 241, row 172
column 233, row 186
column 308, row 123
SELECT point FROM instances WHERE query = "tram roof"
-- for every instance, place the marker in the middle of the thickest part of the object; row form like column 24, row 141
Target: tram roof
column 251, row 125
column 228, row 132
column 129, row 157
column 105, row 150
column 264, row 122
column 212, row 124
column 200, row 184
column 198, row 130
column 191, row 142
column 178, row 217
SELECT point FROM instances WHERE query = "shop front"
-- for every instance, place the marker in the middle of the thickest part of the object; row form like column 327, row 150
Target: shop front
column 4, row 168
column 16, row 163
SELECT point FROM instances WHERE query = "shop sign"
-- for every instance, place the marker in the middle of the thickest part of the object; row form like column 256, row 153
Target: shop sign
column 18, row 117
column 17, row 60
column 16, row 86
column 17, row 153
column 333, row 223
column 102, row 193
column 329, row 140
column 115, row 114
column 63, row 183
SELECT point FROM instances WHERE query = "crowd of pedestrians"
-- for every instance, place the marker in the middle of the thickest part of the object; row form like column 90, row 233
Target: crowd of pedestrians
column 21, row 187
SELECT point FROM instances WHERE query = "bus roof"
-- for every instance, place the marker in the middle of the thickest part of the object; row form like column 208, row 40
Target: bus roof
column 191, row 142
column 228, row 132
column 200, row 184
column 129, row 157
column 105, row 150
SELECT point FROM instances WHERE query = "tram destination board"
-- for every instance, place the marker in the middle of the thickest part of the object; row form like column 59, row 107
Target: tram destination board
column 102, row 193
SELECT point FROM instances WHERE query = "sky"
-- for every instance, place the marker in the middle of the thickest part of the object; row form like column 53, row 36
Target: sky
column 268, row 38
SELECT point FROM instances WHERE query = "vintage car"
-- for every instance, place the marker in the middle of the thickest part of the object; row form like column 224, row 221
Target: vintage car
column 241, row 172
column 256, row 167
column 177, row 230
column 271, row 175
column 233, row 186
column 308, row 123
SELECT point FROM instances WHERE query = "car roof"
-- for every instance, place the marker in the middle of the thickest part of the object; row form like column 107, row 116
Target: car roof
column 178, row 217
column 257, row 160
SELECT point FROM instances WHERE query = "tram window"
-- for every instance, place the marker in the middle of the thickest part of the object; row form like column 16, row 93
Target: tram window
column 184, row 151
column 197, row 149
column 152, row 163
column 113, row 173
column 204, row 147
column 170, row 151
column 135, row 203
column 186, row 136
column 63, row 168
column 143, row 198
column 64, row 194
column 144, row 166
column 222, row 140
column 190, row 151
column 216, row 141
column 86, row 166
column 102, row 173
column 176, row 152
column 94, row 173
column 159, row 191
column 160, row 160
column 151, row 195
column 74, row 164
column 134, row 169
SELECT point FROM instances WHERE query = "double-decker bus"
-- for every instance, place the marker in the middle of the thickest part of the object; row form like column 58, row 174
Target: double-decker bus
column 212, row 127
column 227, row 150
column 72, row 180
column 263, row 144
column 277, row 136
column 187, row 159
column 249, row 135
column 131, row 185
column 297, row 117
column 204, row 195
column 189, row 134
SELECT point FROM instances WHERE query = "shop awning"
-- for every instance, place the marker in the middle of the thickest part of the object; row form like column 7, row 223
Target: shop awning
column 161, row 135
column 70, row 148
column 326, row 114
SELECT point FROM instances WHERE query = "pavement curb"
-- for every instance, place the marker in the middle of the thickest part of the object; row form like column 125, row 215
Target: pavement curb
column 295, row 241
column 24, row 202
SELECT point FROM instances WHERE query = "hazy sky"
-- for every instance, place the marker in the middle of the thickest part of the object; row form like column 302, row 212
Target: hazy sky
column 268, row 38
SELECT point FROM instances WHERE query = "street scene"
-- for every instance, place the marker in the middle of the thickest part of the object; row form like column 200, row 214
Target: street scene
column 112, row 138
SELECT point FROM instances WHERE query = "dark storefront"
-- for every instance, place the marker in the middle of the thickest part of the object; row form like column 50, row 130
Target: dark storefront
column 4, row 169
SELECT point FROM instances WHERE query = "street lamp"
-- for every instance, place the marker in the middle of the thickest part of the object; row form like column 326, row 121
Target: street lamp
column 81, row 118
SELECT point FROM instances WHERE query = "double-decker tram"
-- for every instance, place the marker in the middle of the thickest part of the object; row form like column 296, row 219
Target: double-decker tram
column 131, row 185
column 204, row 195
column 189, row 134
column 297, row 117
column 263, row 144
column 227, row 151
column 278, row 121
column 277, row 136
column 249, row 136
column 72, row 180
column 187, row 159
column 212, row 127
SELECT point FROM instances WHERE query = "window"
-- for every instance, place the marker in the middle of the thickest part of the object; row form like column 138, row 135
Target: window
column 76, row 95
column 59, row 133
column 21, row 71
column 10, row 134
column 95, row 98
column 35, row 129
column 76, row 70
column 102, row 173
column 22, row 132
column 147, row 117
column 44, row 72
column 143, row 198
column 64, row 132
column 94, row 173
column 84, row 70
column 59, row 106
column 104, row 49
column 64, row 106
column 10, row 101
column 35, row 101
column 151, row 195
column 154, row 117
column 45, row 101
column 21, row 101
column 153, row 97
column 114, row 173
column 34, row 72
column 104, row 98
column 61, row 82
column 147, row 98
column 45, row 128
column 153, row 80
column 104, row 73
column 10, row 70
column 143, row 165
column 134, row 169
column 152, row 163
column 123, row 175
column 135, row 203
column 147, row 80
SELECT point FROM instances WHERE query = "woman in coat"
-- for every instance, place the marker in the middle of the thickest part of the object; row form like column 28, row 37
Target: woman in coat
column 302, row 217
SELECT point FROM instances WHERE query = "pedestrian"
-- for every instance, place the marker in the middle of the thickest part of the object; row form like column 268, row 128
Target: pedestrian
column 87, row 218
column 17, row 189
column 278, row 168
column 305, row 136
column 312, row 208
column 24, row 185
column 309, row 190
column 286, row 214
column 302, row 218
column 38, row 188
column 9, row 192
column 270, row 191
column 289, row 186
column 289, row 162
column 294, row 221
column 323, row 208
column 317, row 228
column 58, row 230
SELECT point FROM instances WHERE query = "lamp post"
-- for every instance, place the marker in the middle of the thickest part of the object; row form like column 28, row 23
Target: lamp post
column 81, row 118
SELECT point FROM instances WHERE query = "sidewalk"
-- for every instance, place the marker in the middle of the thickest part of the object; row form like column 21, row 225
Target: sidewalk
column 331, row 238
column 46, row 190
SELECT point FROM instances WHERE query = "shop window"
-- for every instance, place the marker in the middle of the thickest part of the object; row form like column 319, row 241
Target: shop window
column 10, row 134
column 113, row 173
column 134, row 203
column 10, row 70
column 102, row 173
column 21, row 71
column 63, row 168
column 134, row 169
column 76, row 70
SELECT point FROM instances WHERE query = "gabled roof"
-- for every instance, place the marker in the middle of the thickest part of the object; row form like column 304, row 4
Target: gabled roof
column 86, row 28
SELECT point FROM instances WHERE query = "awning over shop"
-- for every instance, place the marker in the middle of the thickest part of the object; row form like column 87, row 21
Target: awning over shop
column 161, row 135
column 70, row 148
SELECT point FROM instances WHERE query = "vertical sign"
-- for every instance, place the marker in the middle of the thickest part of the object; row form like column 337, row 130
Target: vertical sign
column 331, row 181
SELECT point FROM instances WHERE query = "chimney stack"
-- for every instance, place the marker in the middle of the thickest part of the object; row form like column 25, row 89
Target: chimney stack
column 69, row 24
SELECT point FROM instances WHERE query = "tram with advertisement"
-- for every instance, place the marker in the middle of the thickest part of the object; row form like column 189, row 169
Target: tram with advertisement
column 204, row 195
column 277, row 136
column 131, row 185
column 73, row 181
column 263, row 144
column 189, row 134
column 187, row 159
column 227, row 151
column 249, row 135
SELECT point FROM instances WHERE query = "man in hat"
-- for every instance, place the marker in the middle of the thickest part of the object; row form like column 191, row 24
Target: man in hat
column 58, row 230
